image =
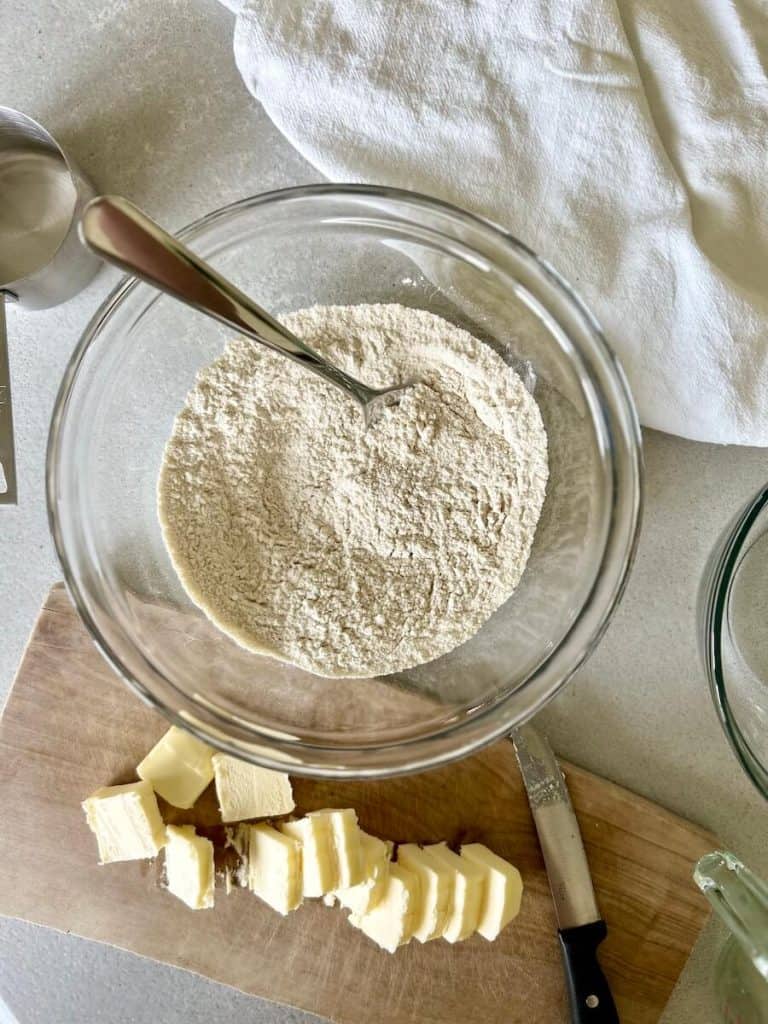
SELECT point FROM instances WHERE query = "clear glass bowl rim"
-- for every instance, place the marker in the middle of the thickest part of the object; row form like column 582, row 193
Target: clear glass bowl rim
column 554, row 670
column 726, row 560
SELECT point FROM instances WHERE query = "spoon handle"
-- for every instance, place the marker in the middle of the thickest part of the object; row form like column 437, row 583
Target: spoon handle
column 120, row 233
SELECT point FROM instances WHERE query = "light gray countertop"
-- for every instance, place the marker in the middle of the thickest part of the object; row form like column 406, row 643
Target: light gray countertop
column 147, row 97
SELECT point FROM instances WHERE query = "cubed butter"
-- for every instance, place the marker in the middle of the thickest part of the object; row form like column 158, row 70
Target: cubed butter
column 126, row 822
column 376, row 856
column 436, row 882
column 178, row 767
column 247, row 791
column 345, row 840
column 391, row 922
column 273, row 866
column 468, row 888
column 189, row 866
column 318, row 860
column 502, row 891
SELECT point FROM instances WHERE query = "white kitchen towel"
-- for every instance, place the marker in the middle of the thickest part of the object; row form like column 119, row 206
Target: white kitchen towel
column 624, row 140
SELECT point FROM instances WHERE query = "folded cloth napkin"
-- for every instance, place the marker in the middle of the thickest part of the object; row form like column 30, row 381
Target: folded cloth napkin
column 624, row 140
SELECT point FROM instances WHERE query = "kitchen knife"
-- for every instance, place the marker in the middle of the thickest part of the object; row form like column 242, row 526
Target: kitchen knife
column 581, row 929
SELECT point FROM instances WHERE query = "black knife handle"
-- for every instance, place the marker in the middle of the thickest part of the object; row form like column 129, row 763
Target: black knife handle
column 590, row 997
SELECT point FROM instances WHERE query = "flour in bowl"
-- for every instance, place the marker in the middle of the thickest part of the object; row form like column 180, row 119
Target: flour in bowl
column 354, row 552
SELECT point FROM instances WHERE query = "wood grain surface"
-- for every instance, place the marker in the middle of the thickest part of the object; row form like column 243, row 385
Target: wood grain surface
column 70, row 726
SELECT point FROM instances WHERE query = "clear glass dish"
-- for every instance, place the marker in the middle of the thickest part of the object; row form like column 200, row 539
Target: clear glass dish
column 733, row 612
column 343, row 244
column 740, row 900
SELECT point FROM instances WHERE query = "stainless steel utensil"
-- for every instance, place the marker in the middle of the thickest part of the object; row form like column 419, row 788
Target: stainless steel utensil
column 121, row 234
column 42, row 261
column 581, row 929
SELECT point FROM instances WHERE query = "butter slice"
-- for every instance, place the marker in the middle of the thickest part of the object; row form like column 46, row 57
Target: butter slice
column 349, row 868
column 376, row 855
column 503, row 889
column 318, row 861
column 436, row 882
column 273, row 866
column 179, row 767
column 391, row 922
column 464, row 909
column 247, row 791
column 189, row 866
column 126, row 822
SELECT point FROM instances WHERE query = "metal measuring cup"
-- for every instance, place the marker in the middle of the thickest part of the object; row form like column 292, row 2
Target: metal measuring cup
column 42, row 261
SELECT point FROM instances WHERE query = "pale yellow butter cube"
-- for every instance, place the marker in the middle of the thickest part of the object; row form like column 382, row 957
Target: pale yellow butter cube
column 345, row 841
column 376, row 855
column 318, row 860
column 178, row 767
column 502, row 891
column 126, row 822
column 273, row 866
column 189, row 866
column 436, row 882
column 391, row 922
column 247, row 791
column 468, row 890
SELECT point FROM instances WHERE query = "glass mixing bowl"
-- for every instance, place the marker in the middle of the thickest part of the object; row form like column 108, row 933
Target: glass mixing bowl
column 129, row 377
column 733, row 611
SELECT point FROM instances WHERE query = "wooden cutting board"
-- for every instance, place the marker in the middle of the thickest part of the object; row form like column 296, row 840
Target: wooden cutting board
column 70, row 726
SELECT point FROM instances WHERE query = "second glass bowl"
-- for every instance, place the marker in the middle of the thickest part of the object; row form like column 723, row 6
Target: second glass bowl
column 323, row 245
column 733, row 612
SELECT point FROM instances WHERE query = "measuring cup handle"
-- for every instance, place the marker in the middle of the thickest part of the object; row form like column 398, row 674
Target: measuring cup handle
column 8, row 494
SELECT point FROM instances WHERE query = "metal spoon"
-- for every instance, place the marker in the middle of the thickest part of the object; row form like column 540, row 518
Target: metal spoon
column 121, row 234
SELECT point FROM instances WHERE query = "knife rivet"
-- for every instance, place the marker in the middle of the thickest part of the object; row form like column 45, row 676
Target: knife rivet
column 593, row 1002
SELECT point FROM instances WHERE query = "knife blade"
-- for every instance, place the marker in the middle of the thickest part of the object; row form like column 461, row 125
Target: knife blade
column 580, row 926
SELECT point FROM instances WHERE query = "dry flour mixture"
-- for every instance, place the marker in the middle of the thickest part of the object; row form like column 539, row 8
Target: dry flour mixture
column 354, row 552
